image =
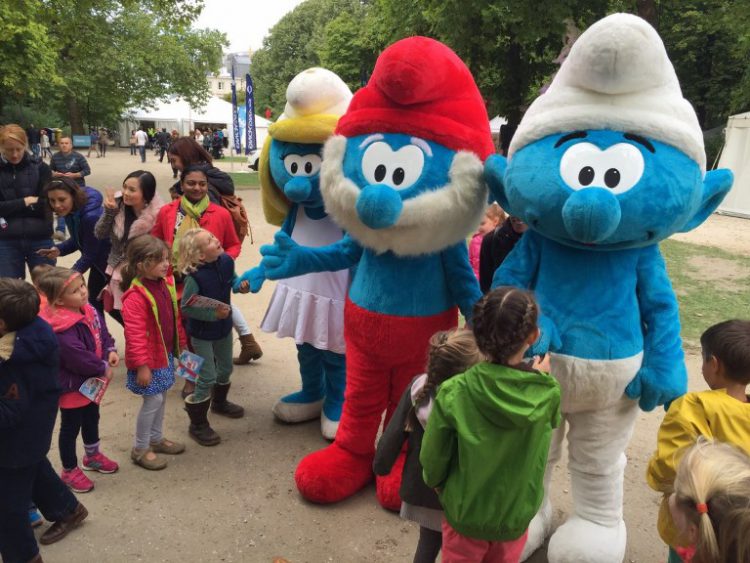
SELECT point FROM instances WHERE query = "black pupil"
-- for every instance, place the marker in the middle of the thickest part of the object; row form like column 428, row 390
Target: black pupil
column 294, row 167
column 308, row 167
column 398, row 176
column 586, row 175
column 612, row 177
column 380, row 172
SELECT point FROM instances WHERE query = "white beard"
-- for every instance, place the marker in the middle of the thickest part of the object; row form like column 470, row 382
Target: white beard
column 429, row 222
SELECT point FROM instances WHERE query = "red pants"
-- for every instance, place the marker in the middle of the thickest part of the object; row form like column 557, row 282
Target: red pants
column 383, row 354
column 458, row 548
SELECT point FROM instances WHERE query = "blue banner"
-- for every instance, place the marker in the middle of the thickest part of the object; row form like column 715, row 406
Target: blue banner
column 235, row 120
column 251, row 142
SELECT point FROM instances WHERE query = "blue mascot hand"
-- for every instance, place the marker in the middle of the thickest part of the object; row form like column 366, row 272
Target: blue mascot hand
column 549, row 338
column 652, row 388
column 284, row 258
column 255, row 277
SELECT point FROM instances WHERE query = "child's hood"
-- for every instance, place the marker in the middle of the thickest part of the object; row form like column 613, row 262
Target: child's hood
column 61, row 319
column 34, row 343
column 513, row 397
column 422, row 411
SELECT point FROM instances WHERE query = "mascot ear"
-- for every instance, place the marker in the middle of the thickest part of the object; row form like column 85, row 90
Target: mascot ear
column 716, row 185
column 494, row 170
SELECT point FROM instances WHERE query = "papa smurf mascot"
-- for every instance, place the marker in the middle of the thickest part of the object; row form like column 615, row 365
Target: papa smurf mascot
column 603, row 166
column 310, row 307
column 403, row 178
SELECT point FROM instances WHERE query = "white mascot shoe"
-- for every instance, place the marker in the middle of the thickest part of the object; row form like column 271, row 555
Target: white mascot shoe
column 297, row 412
column 328, row 427
column 604, row 544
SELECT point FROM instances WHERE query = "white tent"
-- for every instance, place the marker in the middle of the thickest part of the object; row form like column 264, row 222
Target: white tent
column 177, row 114
column 736, row 157
column 496, row 122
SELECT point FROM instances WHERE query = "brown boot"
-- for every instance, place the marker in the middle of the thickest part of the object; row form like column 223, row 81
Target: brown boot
column 220, row 405
column 62, row 528
column 200, row 430
column 250, row 350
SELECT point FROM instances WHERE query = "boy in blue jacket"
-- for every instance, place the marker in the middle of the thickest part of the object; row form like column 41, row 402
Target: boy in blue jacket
column 28, row 407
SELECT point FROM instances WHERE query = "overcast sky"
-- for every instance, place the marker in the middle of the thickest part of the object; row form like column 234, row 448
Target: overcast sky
column 245, row 22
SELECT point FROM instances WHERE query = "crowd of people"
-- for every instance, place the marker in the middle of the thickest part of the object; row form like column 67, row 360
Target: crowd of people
column 476, row 450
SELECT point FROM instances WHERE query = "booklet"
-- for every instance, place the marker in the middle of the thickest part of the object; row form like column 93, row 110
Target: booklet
column 189, row 365
column 203, row 302
column 93, row 388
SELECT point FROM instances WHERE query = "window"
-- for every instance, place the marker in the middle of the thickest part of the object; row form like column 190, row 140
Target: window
column 221, row 85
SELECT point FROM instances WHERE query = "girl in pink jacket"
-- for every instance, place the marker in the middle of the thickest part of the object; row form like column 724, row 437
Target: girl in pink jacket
column 492, row 218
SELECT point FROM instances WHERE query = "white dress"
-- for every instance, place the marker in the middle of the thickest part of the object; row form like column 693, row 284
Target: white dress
column 310, row 308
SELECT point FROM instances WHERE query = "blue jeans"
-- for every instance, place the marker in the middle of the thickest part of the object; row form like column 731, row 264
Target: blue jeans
column 18, row 488
column 15, row 254
column 142, row 152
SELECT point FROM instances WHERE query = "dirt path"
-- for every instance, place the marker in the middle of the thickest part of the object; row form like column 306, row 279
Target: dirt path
column 237, row 501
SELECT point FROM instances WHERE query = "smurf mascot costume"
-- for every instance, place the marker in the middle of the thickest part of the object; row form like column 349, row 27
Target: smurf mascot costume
column 308, row 308
column 403, row 177
column 604, row 165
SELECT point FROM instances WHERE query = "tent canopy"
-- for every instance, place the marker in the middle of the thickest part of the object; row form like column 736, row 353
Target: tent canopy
column 736, row 157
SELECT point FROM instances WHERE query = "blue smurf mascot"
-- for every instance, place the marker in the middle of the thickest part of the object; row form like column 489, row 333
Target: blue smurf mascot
column 309, row 307
column 603, row 166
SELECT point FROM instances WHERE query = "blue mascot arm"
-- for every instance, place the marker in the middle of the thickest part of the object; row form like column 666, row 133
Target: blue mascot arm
column 462, row 283
column 285, row 258
column 662, row 377
column 494, row 171
column 519, row 269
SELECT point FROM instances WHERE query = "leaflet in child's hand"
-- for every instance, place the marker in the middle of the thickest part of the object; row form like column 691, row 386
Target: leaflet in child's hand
column 189, row 365
column 93, row 388
column 203, row 302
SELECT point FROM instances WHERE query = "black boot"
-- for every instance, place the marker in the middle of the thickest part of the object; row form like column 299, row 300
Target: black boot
column 200, row 430
column 220, row 405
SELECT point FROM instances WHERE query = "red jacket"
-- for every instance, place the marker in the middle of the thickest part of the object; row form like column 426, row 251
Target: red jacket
column 215, row 219
column 143, row 346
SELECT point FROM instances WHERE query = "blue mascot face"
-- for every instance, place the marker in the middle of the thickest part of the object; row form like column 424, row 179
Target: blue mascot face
column 390, row 169
column 295, row 167
column 605, row 189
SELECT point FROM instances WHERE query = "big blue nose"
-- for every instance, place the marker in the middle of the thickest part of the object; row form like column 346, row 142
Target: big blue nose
column 379, row 206
column 591, row 215
column 298, row 189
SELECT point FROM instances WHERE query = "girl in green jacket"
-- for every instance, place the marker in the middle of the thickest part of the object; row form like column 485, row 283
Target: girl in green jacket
column 485, row 447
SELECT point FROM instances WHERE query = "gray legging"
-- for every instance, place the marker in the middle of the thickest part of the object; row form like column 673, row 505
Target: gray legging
column 150, row 418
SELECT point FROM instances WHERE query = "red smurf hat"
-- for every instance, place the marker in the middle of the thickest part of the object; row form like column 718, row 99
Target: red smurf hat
column 421, row 87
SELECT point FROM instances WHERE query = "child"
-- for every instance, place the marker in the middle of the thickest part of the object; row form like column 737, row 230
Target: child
column 36, row 273
column 28, row 408
column 710, row 505
column 153, row 338
column 485, row 447
column 450, row 353
column 719, row 414
column 492, row 218
column 86, row 350
column 209, row 273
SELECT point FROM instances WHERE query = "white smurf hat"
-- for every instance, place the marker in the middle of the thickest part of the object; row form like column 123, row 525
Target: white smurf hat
column 617, row 77
column 316, row 91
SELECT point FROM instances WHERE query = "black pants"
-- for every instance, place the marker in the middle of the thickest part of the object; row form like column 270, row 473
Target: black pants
column 72, row 421
column 18, row 488
column 428, row 546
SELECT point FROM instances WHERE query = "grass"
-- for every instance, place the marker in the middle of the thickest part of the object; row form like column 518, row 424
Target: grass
column 233, row 159
column 711, row 284
column 245, row 180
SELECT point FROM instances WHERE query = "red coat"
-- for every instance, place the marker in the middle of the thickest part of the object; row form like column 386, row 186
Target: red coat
column 143, row 346
column 215, row 219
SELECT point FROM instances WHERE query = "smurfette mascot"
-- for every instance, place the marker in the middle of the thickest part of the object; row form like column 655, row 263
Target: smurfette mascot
column 604, row 165
column 403, row 177
column 310, row 307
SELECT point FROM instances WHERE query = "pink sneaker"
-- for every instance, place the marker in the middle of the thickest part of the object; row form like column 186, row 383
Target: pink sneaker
column 99, row 462
column 76, row 480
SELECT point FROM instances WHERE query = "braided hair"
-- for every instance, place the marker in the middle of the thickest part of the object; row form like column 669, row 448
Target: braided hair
column 503, row 320
column 450, row 352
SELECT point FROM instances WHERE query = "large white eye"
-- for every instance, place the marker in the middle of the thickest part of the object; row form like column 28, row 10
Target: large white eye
column 617, row 168
column 302, row 165
column 398, row 169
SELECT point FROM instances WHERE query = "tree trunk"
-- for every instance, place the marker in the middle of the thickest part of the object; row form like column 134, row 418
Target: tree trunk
column 75, row 117
column 647, row 10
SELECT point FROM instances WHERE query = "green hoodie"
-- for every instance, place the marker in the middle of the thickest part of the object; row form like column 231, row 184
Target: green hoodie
column 486, row 448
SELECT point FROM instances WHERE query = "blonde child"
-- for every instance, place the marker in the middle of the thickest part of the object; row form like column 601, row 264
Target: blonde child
column 710, row 505
column 485, row 447
column 209, row 273
column 450, row 353
column 492, row 218
column 153, row 339
column 721, row 413
column 86, row 350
